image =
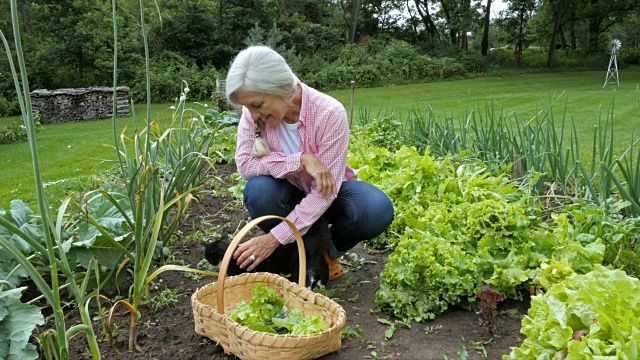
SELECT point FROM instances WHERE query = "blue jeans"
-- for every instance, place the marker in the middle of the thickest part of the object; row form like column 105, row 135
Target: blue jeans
column 360, row 212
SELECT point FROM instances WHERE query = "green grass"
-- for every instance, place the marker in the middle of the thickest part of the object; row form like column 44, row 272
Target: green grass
column 580, row 93
column 70, row 152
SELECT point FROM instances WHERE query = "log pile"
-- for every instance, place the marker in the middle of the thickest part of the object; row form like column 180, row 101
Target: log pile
column 81, row 104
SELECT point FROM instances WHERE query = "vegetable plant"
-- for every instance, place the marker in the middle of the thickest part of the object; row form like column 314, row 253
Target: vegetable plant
column 54, row 341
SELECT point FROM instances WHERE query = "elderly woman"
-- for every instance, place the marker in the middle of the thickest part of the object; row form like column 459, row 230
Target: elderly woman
column 292, row 148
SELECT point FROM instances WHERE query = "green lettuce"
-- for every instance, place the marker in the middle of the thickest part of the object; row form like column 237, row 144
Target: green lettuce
column 17, row 322
column 603, row 303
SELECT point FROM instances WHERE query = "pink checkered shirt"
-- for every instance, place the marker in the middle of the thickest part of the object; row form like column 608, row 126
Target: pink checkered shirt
column 324, row 133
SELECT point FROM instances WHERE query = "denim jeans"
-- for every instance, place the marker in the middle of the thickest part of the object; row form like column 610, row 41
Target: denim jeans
column 360, row 212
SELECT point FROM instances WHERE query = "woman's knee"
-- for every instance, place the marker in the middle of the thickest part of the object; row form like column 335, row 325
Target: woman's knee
column 265, row 195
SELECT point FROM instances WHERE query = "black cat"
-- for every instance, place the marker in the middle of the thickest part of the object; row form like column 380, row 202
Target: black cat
column 284, row 259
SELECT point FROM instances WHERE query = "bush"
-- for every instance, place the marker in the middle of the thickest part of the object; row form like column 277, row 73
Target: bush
column 16, row 131
column 8, row 106
column 167, row 71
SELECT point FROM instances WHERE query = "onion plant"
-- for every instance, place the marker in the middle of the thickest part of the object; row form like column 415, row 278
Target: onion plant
column 159, row 180
column 54, row 341
column 546, row 152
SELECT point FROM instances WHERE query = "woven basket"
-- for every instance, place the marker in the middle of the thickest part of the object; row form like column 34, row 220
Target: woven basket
column 213, row 302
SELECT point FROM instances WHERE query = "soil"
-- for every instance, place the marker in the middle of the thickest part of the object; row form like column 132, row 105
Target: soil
column 168, row 333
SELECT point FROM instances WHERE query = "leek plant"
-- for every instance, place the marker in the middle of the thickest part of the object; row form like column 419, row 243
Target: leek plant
column 159, row 180
column 55, row 341
column 546, row 152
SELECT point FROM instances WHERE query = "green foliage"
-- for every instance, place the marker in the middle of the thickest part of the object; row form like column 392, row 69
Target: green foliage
column 457, row 226
column 383, row 132
column 19, row 220
column 225, row 126
column 265, row 304
column 602, row 302
column 8, row 106
column 170, row 69
column 17, row 322
column 619, row 234
column 413, row 283
column 267, row 312
column 15, row 132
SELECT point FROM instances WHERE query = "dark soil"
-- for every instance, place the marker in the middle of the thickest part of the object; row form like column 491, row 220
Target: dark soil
column 168, row 333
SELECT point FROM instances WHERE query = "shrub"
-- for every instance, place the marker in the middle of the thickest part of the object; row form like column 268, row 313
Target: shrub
column 16, row 131
column 8, row 106
column 170, row 69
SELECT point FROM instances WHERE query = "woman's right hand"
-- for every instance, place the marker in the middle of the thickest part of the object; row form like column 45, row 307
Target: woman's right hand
column 324, row 180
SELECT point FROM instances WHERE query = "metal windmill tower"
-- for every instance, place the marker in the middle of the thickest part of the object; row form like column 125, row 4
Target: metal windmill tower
column 614, row 47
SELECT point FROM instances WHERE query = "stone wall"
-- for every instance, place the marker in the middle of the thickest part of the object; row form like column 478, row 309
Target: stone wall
column 69, row 105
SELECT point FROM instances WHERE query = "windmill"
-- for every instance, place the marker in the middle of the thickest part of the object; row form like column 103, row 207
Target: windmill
column 614, row 47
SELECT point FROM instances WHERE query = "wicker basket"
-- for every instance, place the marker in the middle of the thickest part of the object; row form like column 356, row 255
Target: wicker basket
column 213, row 302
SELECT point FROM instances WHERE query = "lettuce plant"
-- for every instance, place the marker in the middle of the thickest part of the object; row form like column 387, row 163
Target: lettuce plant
column 586, row 316
column 17, row 322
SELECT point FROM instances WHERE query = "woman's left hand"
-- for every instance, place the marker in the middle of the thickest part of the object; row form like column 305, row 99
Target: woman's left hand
column 260, row 247
column 324, row 180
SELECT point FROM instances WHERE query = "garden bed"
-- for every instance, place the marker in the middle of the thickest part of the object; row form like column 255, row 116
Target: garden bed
column 168, row 333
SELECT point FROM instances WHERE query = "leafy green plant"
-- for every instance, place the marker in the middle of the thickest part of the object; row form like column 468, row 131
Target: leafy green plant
column 599, row 307
column 17, row 321
column 20, row 219
column 159, row 179
column 54, row 341
column 351, row 331
column 432, row 329
column 393, row 326
column 267, row 312
column 225, row 126
column 165, row 299
column 16, row 131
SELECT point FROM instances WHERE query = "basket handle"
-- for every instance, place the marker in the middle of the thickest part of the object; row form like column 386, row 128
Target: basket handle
column 222, row 274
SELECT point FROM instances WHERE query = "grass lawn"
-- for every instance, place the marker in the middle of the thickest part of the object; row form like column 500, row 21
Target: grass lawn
column 69, row 152
column 580, row 94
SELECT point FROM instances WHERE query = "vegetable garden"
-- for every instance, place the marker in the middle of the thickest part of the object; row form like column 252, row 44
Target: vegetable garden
column 489, row 211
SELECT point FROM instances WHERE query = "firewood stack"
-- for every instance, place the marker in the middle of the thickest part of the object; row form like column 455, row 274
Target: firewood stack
column 70, row 105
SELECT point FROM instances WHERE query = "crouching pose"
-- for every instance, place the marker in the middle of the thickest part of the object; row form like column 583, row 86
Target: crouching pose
column 284, row 259
column 292, row 148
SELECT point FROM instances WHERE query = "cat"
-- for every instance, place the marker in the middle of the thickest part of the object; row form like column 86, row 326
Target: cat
column 284, row 259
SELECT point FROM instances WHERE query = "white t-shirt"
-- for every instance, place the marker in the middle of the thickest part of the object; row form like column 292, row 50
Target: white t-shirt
column 289, row 137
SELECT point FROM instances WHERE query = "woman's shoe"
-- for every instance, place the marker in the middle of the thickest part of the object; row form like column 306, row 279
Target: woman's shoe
column 335, row 268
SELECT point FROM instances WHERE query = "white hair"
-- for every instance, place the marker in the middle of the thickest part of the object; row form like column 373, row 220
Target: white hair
column 260, row 69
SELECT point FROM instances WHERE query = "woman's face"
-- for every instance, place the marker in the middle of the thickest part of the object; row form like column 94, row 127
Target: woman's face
column 271, row 109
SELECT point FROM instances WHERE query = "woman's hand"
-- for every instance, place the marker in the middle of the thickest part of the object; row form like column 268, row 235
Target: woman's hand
column 260, row 247
column 325, row 181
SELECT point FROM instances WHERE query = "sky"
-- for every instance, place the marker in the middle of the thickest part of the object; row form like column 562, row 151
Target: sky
column 496, row 7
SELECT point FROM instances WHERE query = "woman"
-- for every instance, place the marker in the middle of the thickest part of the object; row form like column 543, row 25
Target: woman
column 292, row 148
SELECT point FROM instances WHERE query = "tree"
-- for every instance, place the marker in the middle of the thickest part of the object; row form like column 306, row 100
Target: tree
column 602, row 14
column 485, row 33
column 514, row 20
column 558, row 7
column 351, row 14
column 422, row 6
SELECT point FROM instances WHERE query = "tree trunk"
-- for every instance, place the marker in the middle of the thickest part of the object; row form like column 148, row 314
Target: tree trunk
column 423, row 10
column 25, row 19
column 517, row 53
column 351, row 13
column 355, row 15
column 465, row 16
column 594, row 34
column 557, row 22
column 485, row 35
column 453, row 32
column 594, row 29
column 413, row 21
